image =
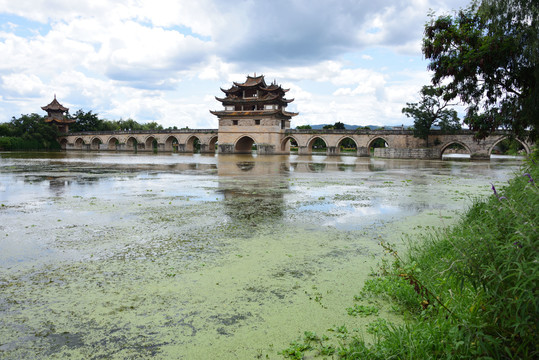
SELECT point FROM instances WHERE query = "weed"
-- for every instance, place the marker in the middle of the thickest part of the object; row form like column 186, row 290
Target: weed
column 296, row 350
column 362, row 310
column 377, row 326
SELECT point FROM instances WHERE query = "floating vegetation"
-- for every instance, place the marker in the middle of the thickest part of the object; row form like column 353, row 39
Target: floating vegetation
column 155, row 257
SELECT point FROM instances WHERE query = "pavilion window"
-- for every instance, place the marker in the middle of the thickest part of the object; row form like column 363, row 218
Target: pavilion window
column 234, row 122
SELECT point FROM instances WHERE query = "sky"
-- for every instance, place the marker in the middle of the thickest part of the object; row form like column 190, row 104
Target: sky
column 358, row 62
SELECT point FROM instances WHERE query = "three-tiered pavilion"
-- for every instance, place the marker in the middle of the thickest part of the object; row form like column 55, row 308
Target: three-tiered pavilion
column 256, row 108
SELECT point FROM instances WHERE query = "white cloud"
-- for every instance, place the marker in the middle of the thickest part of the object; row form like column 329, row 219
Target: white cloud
column 164, row 60
column 23, row 85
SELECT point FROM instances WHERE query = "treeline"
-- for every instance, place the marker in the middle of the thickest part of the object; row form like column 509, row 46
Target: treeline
column 31, row 132
column 28, row 132
column 88, row 121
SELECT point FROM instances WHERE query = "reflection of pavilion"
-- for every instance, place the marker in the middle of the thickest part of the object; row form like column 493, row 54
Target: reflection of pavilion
column 253, row 187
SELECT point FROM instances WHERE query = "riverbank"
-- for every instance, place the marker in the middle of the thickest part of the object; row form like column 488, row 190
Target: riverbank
column 468, row 291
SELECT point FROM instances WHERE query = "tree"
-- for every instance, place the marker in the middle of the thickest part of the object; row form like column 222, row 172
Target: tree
column 86, row 122
column 152, row 126
column 306, row 127
column 129, row 125
column 431, row 110
column 489, row 53
column 339, row 126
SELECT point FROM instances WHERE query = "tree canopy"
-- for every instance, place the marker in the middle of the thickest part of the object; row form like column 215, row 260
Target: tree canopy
column 431, row 110
column 88, row 121
column 489, row 55
column 28, row 132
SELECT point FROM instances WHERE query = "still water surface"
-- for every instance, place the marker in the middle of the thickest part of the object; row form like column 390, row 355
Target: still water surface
column 106, row 255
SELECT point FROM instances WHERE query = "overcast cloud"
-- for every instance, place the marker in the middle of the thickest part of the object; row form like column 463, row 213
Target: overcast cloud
column 357, row 62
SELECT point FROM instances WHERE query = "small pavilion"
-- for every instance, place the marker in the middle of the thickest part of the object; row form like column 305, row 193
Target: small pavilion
column 56, row 115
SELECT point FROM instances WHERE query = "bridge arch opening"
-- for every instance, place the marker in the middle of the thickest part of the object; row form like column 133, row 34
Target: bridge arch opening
column 113, row 143
column 79, row 143
column 213, row 144
column 454, row 150
column 378, row 142
column 171, row 144
column 317, row 145
column 289, row 145
column 63, row 144
column 245, row 145
column 347, row 145
column 509, row 147
column 151, row 144
column 193, row 145
column 131, row 144
column 96, row 143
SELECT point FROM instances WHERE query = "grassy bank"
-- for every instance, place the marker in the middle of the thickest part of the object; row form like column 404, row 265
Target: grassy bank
column 469, row 291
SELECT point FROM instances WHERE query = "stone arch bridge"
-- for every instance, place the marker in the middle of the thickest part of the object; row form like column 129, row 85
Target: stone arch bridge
column 150, row 140
column 397, row 143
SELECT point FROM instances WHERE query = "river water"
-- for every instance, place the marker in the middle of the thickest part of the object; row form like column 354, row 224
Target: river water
column 107, row 255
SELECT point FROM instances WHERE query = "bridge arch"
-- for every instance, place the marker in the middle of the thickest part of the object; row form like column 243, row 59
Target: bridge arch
column 79, row 143
column 287, row 142
column 171, row 143
column 192, row 145
column 346, row 142
column 524, row 145
column 95, row 143
column 150, row 143
column 131, row 143
column 244, row 145
column 63, row 144
column 317, row 142
column 377, row 142
column 113, row 143
column 447, row 145
column 212, row 144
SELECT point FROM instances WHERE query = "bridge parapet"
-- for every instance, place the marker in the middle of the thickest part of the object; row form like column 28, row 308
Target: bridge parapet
column 136, row 132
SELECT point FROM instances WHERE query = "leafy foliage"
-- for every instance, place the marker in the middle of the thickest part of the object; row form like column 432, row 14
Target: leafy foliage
column 432, row 110
column 28, row 132
column 88, row 121
column 489, row 52
column 337, row 126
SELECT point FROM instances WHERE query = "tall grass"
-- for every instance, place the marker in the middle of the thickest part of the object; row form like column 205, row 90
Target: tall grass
column 468, row 292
